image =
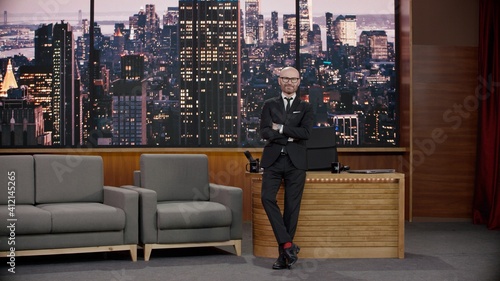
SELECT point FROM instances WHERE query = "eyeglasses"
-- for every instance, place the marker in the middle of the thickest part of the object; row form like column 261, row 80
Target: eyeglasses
column 290, row 79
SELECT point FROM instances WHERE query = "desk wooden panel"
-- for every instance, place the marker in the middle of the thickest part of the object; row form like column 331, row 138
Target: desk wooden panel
column 342, row 216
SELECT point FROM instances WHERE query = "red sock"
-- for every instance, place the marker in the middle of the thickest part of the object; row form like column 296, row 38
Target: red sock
column 287, row 245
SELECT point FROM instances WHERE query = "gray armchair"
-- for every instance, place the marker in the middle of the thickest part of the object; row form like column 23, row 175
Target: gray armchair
column 179, row 208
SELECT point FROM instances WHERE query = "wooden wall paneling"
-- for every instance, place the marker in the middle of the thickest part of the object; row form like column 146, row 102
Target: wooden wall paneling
column 444, row 130
column 405, row 125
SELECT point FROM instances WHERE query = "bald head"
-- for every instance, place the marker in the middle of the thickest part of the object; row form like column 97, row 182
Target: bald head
column 289, row 80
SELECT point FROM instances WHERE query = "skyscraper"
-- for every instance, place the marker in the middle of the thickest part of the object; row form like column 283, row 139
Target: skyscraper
column 345, row 30
column 274, row 25
column 305, row 20
column 38, row 81
column 9, row 81
column 43, row 45
column 65, row 103
column 252, row 11
column 132, row 67
column 129, row 112
column 289, row 31
column 209, row 73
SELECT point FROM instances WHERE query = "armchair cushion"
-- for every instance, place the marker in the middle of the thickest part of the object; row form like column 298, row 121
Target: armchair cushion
column 84, row 217
column 194, row 214
column 18, row 176
column 66, row 178
column 30, row 220
column 176, row 177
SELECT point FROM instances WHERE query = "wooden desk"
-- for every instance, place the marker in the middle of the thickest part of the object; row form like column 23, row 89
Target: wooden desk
column 342, row 216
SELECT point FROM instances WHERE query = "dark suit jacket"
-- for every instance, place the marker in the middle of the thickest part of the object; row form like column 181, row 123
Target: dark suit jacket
column 297, row 125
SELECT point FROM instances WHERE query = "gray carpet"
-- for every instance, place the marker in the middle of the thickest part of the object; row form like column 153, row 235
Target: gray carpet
column 434, row 251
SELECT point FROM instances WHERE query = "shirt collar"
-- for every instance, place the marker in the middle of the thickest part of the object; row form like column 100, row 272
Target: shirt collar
column 292, row 96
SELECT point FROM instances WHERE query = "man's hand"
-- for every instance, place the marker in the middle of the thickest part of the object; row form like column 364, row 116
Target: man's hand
column 276, row 127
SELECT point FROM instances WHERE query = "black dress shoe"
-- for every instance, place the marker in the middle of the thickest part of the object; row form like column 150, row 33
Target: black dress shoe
column 280, row 263
column 291, row 255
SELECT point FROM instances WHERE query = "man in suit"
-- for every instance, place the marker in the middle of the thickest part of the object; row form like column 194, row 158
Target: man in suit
column 286, row 122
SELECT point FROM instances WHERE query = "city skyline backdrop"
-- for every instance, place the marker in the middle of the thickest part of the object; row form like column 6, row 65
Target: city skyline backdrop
column 154, row 85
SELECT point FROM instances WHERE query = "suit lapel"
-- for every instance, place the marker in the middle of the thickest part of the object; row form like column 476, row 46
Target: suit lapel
column 295, row 104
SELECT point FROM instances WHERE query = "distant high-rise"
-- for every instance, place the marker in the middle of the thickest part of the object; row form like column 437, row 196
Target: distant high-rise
column 152, row 27
column 209, row 73
column 5, row 17
column 344, row 29
column 252, row 11
column 43, row 45
column 132, row 67
column 9, row 81
column 329, row 25
column 274, row 25
column 289, row 31
column 38, row 81
column 170, row 32
column 376, row 42
column 305, row 20
column 64, row 101
column 129, row 112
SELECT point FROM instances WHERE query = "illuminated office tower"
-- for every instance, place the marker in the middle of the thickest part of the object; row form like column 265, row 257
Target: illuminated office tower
column 85, row 26
column 305, row 20
column 9, row 81
column 344, row 29
column 274, row 25
column 289, row 31
column 209, row 73
column 260, row 34
column 329, row 36
column 315, row 40
column 118, row 43
column 129, row 103
column 65, row 103
column 252, row 11
column 329, row 25
column 43, row 45
column 347, row 126
column 268, row 31
column 170, row 31
column 129, row 112
column 137, row 22
column 132, row 67
column 152, row 27
column 38, row 80
column 376, row 42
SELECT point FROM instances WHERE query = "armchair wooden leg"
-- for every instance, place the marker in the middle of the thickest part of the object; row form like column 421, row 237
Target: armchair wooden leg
column 133, row 252
column 147, row 251
column 237, row 247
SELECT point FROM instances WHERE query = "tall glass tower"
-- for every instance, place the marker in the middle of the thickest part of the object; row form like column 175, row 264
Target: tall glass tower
column 305, row 13
column 64, row 101
column 209, row 72
column 252, row 11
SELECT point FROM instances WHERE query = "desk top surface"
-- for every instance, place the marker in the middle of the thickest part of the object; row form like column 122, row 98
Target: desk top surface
column 343, row 175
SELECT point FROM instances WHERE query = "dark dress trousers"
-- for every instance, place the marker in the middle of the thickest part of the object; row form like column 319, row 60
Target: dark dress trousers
column 283, row 159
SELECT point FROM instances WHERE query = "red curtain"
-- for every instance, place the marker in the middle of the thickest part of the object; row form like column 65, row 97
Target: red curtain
column 486, row 205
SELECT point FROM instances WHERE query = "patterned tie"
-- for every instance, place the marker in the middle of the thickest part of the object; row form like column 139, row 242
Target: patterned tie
column 288, row 104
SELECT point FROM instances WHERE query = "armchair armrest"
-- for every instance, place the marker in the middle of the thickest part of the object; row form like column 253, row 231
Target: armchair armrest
column 137, row 178
column 128, row 201
column 231, row 197
column 148, row 233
